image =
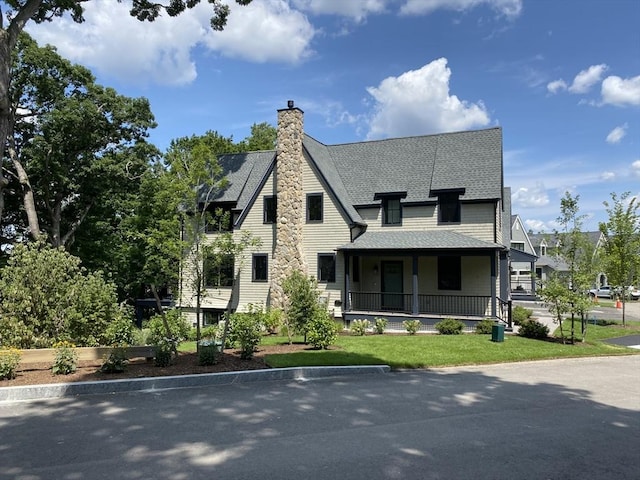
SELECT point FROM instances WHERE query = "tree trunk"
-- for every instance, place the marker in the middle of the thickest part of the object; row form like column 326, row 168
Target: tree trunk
column 27, row 193
column 160, row 310
column 5, row 107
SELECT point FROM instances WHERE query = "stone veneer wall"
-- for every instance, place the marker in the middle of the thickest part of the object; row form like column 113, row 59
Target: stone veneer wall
column 288, row 255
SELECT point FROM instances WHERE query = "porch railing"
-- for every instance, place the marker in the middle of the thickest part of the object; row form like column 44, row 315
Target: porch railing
column 468, row 305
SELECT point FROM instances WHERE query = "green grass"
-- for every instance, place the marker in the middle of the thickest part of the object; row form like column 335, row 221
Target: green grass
column 419, row 351
column 597, row 333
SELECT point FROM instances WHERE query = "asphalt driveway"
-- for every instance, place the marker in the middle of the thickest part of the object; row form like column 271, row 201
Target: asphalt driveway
column 560, row 419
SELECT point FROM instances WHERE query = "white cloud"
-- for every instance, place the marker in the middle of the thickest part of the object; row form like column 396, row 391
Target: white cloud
column 357, row 10
column 587, row 78
column 621, row 91
column 607, row 176
column 540, row 226
column 556, row 86
column 527, row 197
column 508, row 8
column 617, row 134
column 418, row 102
column 264, row 31
column 635, row 168
column 115, row 44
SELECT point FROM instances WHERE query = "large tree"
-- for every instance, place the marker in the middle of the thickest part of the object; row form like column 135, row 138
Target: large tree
column 621, row 249
column 74, row 146
column 19, row 12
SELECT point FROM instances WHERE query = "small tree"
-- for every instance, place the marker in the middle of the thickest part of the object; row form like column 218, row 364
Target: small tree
column 621, row 249
column 564, row 292
column 302, row 295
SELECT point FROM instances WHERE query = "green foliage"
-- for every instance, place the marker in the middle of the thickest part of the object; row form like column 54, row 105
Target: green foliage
column 141, row 336
column 9, row 360
column 485, row 326
column 323, row 330
column 412, row 326
column 116, row 361
column 47, row 297
column 302, row 294
column 66, row 359
column 164, row 353
column 207, row 353
column 272, row 320
column 246, row 330
column 380, row 325
column 519, row 314
column 359, row 327
column 449, row 326
column 121, row 331
column 178, row 327
column 533, row 329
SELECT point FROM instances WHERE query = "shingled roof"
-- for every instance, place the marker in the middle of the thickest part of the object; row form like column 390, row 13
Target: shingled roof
column 356, row 172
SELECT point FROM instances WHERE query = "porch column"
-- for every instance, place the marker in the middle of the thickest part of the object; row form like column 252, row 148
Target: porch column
column 346, row 301
column 415, row 310
column 533, row 278
column 492, row 258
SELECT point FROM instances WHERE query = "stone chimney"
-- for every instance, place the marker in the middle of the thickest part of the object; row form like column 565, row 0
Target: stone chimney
column 290, row 214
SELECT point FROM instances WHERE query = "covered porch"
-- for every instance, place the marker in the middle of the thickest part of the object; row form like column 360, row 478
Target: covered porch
column 423, row 275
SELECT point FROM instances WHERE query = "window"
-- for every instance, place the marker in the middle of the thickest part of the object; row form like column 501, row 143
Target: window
column 449, row 273
column 518, row 246
column 449, row 208
column 260, row 267
column 218, row 220
column 314, row 207
column 212, row 317
column 326, row 267
column 391, row 211
column 270, row 209
column 218, row 270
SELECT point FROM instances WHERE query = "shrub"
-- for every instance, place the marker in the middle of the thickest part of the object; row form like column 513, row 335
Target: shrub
column 533, row 329
column 272, row 320
column 323, row 330
column 209, row 332
column 207, row 352
column 9, row 360
column 66, row 359
column 380, row 325
column 116, row 362
column 48, row 296
column 412, row 326
column 164, row 352
column 359, row 327
column 520, row 314
column 302, row 293
column 141, row 336
column 449, row 326
column 121, row 331
column 485, row 326
column 246, row 330
column 177, row 325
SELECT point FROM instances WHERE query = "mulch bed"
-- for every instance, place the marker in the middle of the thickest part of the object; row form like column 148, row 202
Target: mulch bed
column 185, row 364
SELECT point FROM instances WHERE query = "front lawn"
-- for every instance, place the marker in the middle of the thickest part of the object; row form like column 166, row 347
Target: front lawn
column 417, row 351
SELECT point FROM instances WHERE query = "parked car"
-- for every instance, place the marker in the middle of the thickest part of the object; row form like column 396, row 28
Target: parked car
column 634, row 293
column 603, row 292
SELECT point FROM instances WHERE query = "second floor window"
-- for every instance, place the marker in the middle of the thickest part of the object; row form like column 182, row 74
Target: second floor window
column 314, row 207
column 449, row 208
column 270, row 208
column 218, row 270
column 391, row 211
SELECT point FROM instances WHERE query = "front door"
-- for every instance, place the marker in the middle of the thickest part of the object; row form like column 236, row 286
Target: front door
column 392, row 297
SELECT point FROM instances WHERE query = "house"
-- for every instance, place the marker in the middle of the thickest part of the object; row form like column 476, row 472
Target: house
column 523, row 260
column 549, row 262
column 402, row 228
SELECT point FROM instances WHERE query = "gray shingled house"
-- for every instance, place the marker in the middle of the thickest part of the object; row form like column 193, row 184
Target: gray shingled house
column 407, row 227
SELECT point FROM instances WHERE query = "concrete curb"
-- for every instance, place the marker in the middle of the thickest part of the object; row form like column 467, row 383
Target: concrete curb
column 58, row 390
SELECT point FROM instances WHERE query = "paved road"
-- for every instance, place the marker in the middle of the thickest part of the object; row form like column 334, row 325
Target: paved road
column 563, row 419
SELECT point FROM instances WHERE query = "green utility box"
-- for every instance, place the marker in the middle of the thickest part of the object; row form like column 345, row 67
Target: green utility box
column 497, row 333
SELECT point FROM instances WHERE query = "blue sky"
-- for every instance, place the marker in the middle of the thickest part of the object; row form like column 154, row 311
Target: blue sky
column 561, row 77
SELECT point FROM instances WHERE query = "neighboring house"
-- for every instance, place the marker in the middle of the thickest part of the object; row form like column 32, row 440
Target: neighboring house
column 405, row 228
column 548, row 262
column 523, row 260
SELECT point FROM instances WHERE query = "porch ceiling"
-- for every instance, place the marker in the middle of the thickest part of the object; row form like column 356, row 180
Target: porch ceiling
column 418, row 240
